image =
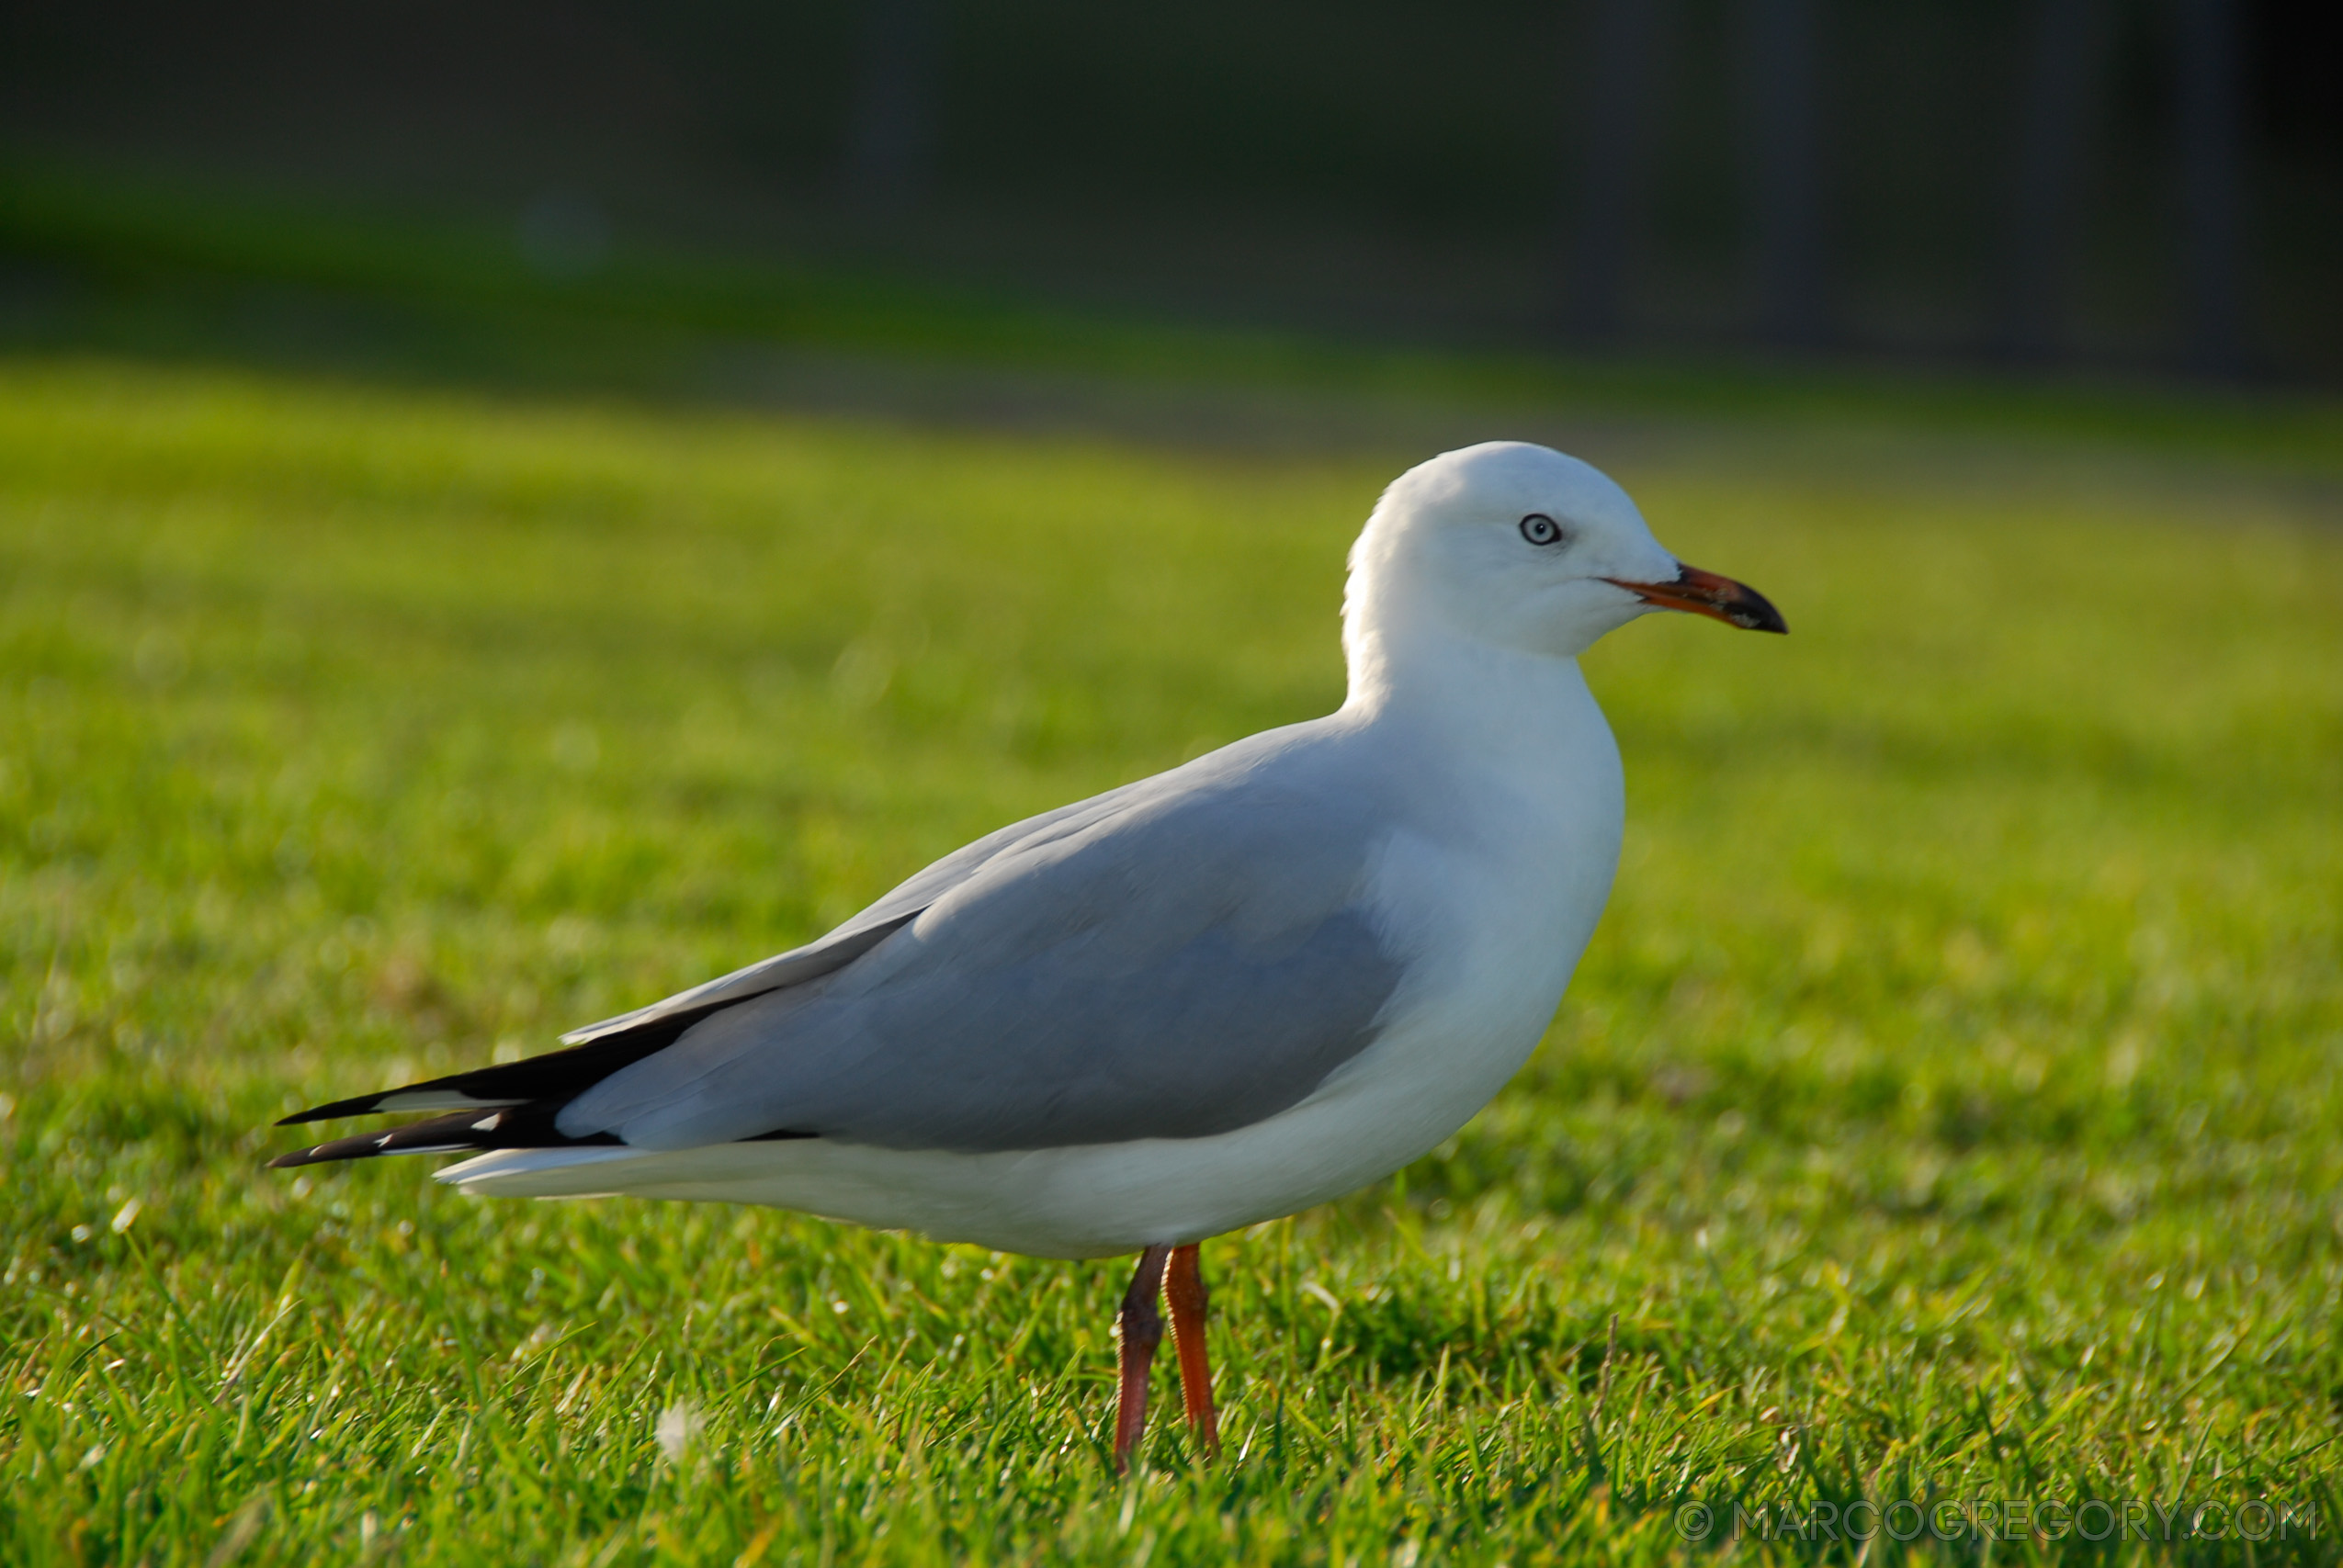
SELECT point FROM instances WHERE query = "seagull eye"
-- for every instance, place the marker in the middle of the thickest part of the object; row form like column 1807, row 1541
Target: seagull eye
column 1540, row 529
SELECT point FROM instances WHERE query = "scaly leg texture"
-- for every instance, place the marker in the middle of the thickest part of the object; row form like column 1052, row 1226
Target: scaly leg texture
column 1138, row 1328
column 1183, row 1288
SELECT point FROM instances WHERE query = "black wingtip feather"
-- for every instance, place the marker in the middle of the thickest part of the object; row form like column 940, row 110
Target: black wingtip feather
column 518, row 1100
column 361, row 1105
column 556, row 1076
column 461, row 1131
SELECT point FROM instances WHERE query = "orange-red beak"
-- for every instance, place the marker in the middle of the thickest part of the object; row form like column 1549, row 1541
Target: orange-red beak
column 1705, row 594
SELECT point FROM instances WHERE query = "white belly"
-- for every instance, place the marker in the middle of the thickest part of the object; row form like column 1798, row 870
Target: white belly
column 1092, row 1201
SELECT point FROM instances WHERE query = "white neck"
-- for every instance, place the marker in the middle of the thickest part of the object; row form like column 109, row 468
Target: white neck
column 1476, row 697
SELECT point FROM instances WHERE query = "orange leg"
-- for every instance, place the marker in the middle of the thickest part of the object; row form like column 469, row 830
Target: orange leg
column 1184, row 1287
column 1138, row 1327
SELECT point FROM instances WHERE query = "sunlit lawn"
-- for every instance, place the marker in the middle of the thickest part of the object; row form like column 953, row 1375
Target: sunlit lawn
column 1948, row 1108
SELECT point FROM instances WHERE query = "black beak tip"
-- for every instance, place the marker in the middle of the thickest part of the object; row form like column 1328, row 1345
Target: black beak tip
column 1753, row 612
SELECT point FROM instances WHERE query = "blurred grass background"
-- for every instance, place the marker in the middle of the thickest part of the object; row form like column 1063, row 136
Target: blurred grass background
column 95, row 254
column 1946, row 1108
column 2030, row 183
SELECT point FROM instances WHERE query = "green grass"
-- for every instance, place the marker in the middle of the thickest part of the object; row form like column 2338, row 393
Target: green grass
column 1947, row 1107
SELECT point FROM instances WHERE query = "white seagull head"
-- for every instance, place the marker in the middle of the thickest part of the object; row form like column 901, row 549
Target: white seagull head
column 1522, row 547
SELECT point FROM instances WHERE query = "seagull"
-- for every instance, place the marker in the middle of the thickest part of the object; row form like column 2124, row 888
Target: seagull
column 1212, row 997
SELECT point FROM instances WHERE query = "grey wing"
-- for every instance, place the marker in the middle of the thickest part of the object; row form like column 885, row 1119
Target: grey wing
column 1175, row 965
column 859, row 934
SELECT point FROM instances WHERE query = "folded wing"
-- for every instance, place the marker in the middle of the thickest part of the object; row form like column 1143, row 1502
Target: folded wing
column 1181, row 966
column 1185, row 956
